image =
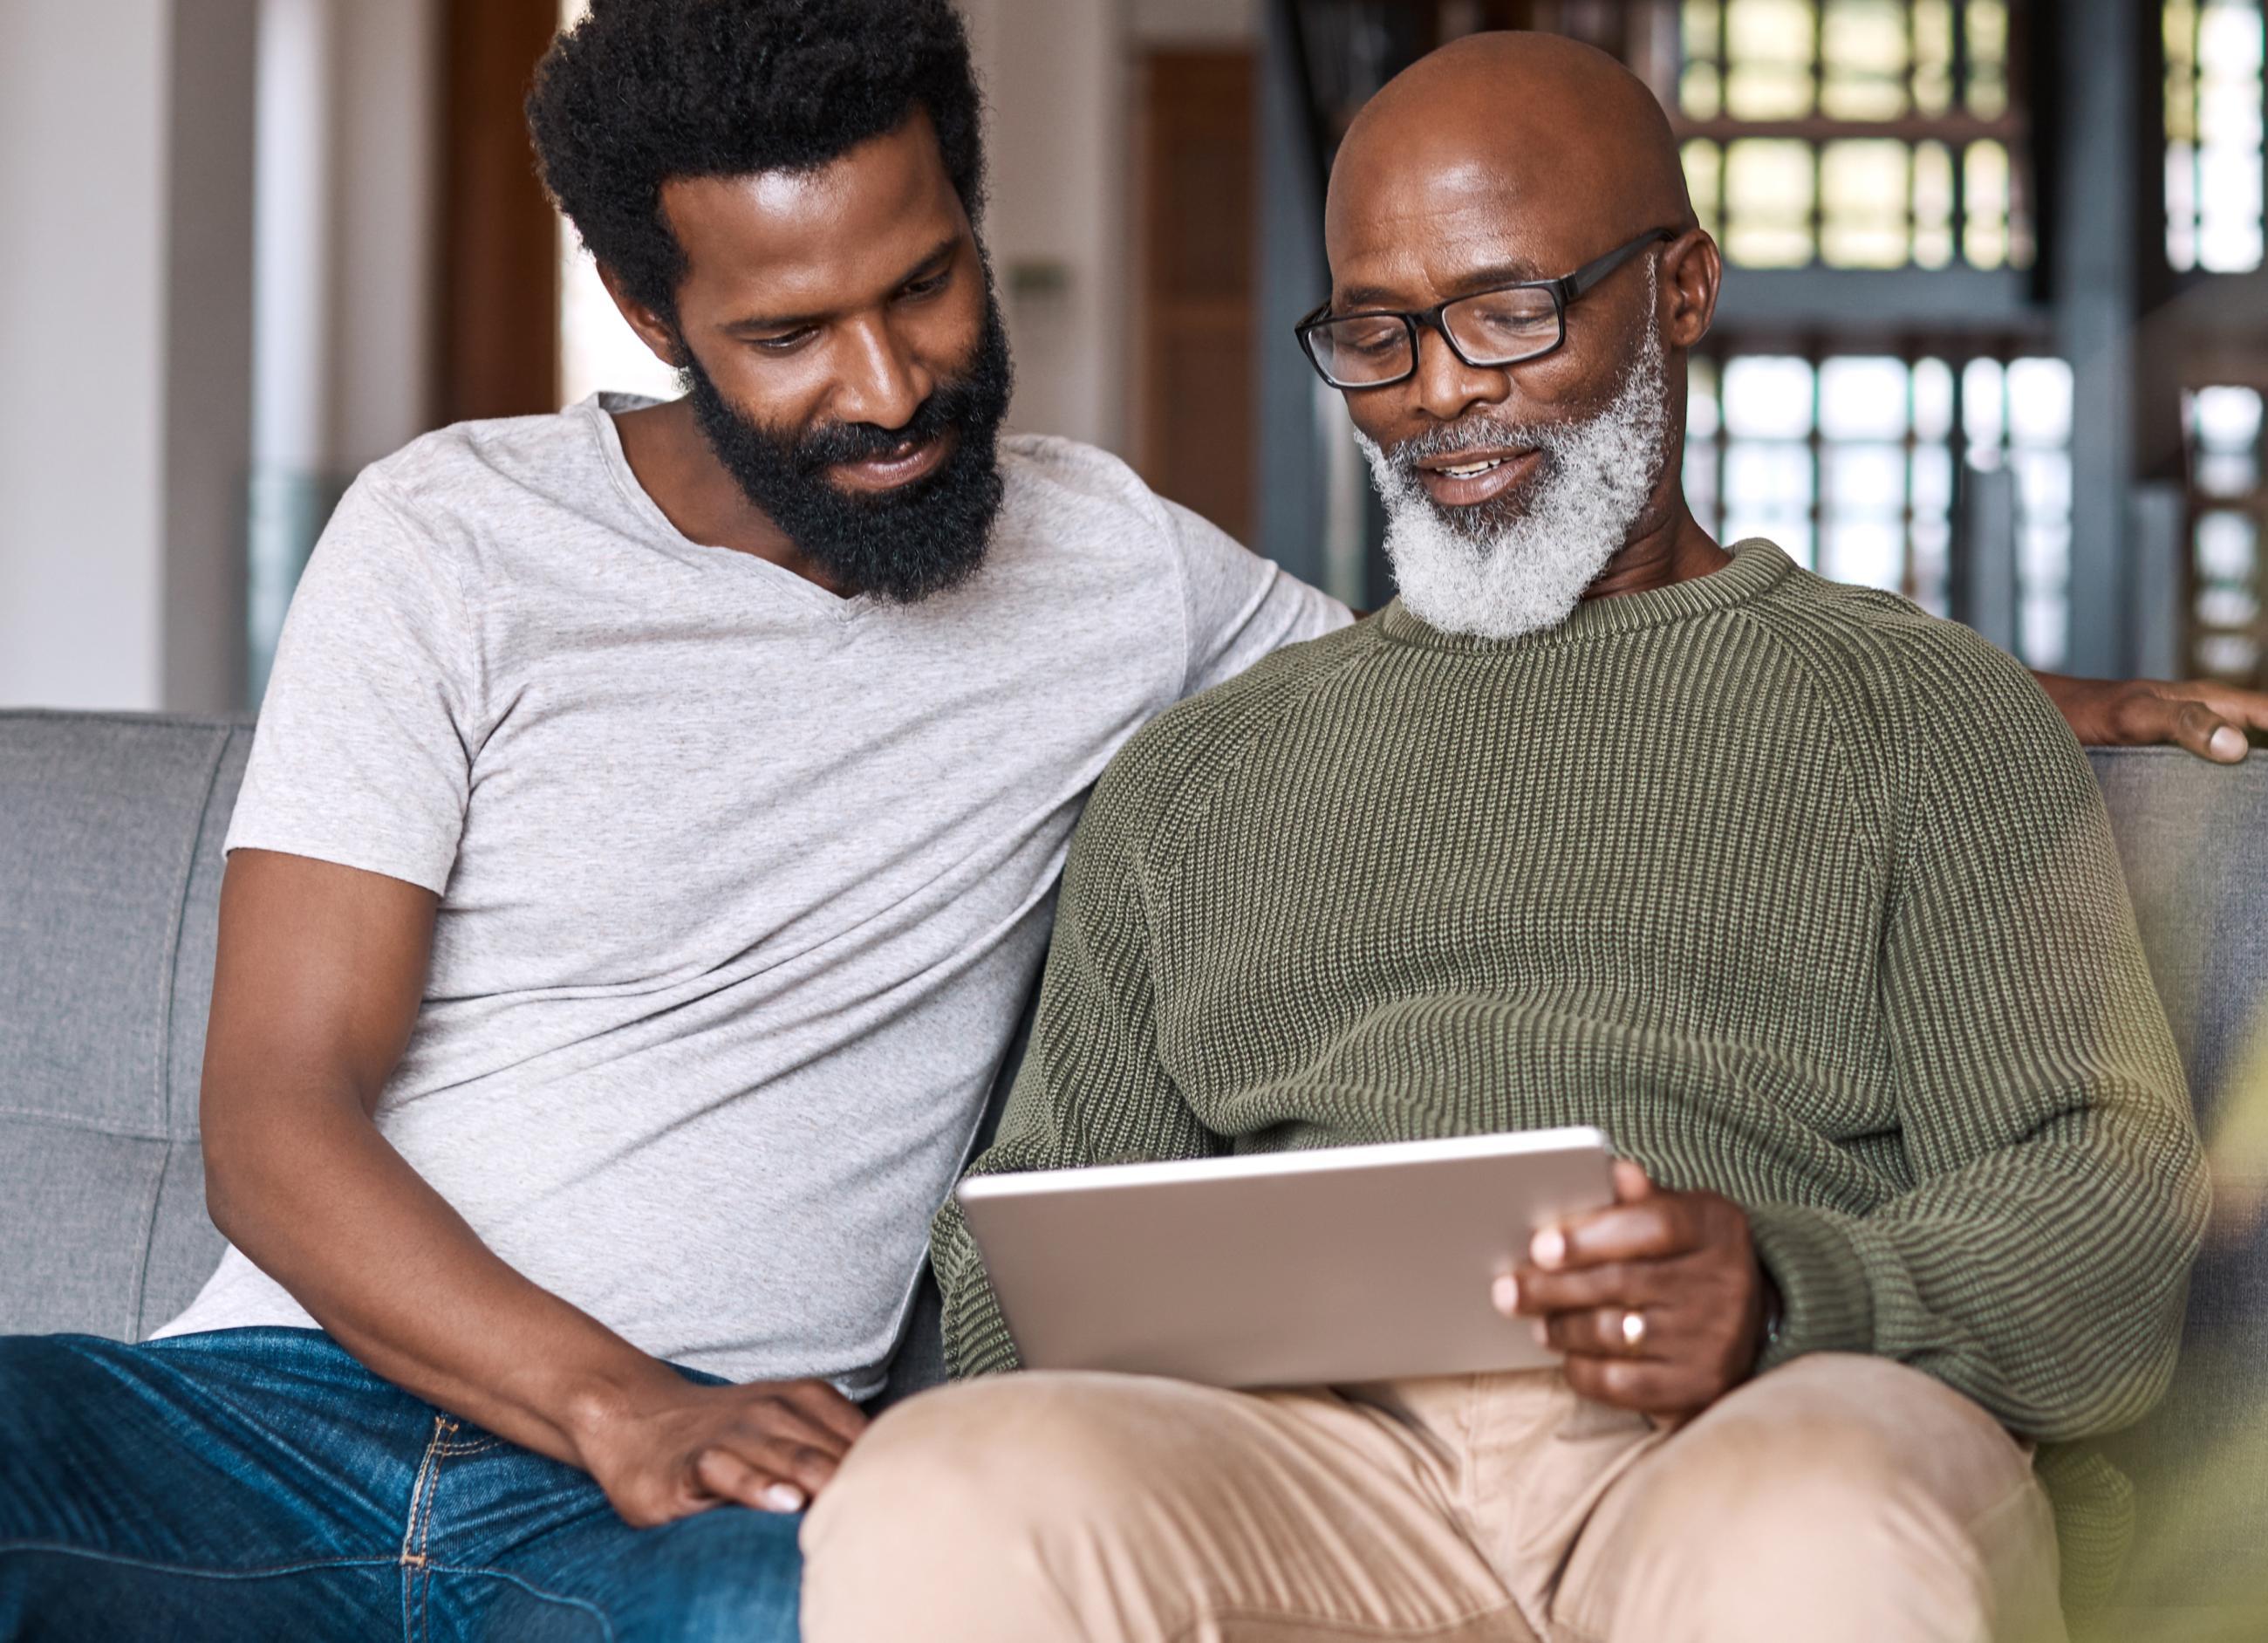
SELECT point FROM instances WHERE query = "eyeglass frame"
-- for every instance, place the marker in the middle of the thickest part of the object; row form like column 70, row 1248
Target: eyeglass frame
column 1563, row 291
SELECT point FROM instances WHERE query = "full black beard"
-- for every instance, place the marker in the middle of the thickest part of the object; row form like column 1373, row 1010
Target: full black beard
column 901, row 545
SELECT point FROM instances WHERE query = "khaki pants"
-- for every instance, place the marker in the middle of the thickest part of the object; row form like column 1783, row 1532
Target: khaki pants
column 1839, row 1498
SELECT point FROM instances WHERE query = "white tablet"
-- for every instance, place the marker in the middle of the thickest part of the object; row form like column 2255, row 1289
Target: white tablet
column 1283, row 1269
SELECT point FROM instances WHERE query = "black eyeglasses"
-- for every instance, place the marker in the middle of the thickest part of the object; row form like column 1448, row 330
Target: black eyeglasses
column 1486, row 329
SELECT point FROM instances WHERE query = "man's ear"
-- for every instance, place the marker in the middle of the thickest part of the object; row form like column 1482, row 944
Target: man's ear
column 657, row 333
column 1692, row 271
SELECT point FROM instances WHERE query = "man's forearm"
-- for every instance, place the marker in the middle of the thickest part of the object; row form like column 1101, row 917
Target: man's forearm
column 2044, row 1282
column 328, row 1208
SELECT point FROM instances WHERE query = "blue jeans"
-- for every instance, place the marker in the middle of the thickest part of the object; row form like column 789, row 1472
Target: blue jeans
column 257, row 1483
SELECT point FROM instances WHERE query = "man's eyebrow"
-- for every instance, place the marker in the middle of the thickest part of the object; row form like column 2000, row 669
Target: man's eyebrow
column 1355, row 296
column 938, row 255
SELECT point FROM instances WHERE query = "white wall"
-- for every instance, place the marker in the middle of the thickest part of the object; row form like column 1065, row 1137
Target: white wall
column 126, row 260
column 348, row 168
column 386, row 167
column 294, row 242
column 1054, row 76
column 84, row 102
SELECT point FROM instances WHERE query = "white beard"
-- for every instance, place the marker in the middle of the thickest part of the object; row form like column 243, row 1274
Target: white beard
column 1500, row 575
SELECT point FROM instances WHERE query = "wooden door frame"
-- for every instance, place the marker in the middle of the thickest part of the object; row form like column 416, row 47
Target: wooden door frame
column 499, row 331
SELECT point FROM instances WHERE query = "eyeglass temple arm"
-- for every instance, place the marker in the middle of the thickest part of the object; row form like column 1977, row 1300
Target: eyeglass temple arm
column 1591, row 272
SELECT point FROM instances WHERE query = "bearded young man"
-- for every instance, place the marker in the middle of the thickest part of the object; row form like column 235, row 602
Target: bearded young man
column 646, row 851
column 1805, row 898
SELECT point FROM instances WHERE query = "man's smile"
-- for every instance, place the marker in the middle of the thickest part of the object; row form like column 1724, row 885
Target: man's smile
column 901, row 465
column 1465, row 479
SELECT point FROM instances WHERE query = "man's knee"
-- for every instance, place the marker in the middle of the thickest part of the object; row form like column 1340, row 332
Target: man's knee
column 955, row 1508
column 1836, row 1452
column 1796, row 1488
column 1854, row 1488
column 975, row 1461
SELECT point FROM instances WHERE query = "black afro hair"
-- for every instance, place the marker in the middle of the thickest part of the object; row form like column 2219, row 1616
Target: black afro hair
column 644, row 91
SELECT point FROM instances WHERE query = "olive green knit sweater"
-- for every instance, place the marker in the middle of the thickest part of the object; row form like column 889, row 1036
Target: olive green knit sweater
column 1796, row 893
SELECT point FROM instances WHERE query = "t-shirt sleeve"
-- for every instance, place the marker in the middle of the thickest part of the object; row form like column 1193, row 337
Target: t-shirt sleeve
column 362, row 755
column 1239, row 606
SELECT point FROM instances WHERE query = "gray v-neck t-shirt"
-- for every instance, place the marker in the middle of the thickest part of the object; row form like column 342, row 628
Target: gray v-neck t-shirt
column 742, row 884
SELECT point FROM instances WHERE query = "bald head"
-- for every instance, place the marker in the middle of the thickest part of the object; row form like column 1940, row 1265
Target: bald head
column 1534, row 129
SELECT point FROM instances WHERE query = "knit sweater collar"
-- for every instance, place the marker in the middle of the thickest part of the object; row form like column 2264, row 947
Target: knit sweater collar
column 1758, row 567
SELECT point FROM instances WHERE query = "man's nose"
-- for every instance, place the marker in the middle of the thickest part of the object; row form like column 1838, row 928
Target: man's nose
column 1446, row 386
column 880, row 383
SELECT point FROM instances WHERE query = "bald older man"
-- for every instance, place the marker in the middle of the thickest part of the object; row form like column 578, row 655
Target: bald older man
column 1804, row 897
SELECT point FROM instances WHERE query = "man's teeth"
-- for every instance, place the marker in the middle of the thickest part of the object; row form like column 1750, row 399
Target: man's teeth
column 1470, row 468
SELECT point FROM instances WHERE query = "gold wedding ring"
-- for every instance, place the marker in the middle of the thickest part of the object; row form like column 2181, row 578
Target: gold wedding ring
column 1633, row 1330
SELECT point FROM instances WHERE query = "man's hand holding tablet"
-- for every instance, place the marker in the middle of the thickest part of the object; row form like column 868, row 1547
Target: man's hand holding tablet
column 1657, row 1299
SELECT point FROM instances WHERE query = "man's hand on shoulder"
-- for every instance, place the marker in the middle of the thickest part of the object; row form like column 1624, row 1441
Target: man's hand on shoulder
column 1658, row 1300
column 2209, row 719
column 671, row 1449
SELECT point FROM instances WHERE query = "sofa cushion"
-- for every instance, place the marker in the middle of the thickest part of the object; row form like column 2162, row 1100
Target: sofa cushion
column 109, row 887
column 82, row 1206
column 2193, row 840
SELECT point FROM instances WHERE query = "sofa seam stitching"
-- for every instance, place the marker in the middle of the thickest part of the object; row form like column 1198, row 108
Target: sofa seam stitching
column 121, row 716
column 150, row 1242
column 80, row 1122
column 178, row 923
column 190, row 1571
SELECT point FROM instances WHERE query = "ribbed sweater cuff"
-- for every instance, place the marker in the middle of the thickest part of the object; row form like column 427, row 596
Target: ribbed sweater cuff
column 977, row 1338
column 1826, row 1305
column 985, row 1349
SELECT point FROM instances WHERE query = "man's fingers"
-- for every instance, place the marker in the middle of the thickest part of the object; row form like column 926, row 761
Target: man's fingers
column 785, row 1460
column 2247, row 708
column 818, row 1400
column 2206, row 734
column 1539, row 1294
column 1600, row 1332
column 809, row 1470
column 2231, row 712
column 2206, row 718
column 781, row 1422
column 1654, row 1226
column 1549, row 1247
column 1635, row 1383
column 810, row 1411
column 798, row 1451
column 730, row 1476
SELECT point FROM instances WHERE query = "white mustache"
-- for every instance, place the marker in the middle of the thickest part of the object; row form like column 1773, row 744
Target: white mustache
column 1473, row 434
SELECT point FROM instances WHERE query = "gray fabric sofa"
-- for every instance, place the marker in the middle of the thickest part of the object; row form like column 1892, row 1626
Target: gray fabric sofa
column 110, row 862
